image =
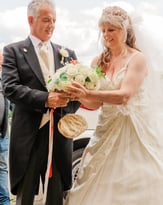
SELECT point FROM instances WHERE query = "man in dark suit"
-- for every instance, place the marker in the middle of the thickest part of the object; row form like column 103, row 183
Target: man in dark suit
column 24, row 77
column 4, row 143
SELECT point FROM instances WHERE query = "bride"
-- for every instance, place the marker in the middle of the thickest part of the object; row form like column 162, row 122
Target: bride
column 123, row 162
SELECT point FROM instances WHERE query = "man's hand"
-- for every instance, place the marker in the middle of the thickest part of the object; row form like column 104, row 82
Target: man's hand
column 57, row 99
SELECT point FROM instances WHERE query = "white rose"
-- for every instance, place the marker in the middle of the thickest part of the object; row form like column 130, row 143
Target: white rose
column 80, row 79
column 63, row 85
column 93, row 76
column 92, row 80
column 71, row 70
column 91, row 85
column 82, row 69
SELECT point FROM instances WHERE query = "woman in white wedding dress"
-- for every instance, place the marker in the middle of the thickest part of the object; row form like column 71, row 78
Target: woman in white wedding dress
column 123, row 162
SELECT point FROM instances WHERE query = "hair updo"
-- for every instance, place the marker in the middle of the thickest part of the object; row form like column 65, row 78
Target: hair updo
column 115, row 16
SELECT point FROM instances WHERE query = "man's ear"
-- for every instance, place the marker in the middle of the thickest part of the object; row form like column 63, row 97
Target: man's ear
column 30, row 20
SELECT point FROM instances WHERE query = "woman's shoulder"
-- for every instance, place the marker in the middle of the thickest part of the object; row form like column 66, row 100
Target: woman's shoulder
column 137, row 61
column 136, row 56
column 136, row 53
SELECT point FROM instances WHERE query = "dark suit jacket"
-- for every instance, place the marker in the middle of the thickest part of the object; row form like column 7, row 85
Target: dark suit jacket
column 24, row 85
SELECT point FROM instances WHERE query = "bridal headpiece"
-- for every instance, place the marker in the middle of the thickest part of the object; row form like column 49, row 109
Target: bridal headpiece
column 116, row 16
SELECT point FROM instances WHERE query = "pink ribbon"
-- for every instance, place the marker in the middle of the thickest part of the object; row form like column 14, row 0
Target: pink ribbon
column 49, row 171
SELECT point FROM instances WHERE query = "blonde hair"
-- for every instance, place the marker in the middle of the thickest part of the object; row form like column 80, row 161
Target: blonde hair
column 119, row 18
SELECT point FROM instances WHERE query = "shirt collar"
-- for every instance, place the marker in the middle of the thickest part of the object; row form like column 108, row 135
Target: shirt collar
column 36, row 41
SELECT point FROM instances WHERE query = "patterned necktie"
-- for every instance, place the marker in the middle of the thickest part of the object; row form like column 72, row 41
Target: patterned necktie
column 44, row 53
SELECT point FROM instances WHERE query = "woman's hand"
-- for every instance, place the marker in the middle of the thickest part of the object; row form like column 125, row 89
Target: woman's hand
column 85, row 96
column 76, row 91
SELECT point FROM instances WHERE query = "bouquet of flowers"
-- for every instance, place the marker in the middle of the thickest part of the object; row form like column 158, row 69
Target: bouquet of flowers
column 88, row 77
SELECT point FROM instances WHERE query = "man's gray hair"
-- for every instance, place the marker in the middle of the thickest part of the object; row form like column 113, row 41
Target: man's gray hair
column 35, row 5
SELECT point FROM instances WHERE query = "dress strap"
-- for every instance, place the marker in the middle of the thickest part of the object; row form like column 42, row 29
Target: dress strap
column 130, row 58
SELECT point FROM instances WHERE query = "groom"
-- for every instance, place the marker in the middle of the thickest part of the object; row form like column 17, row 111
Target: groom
column 24, row 76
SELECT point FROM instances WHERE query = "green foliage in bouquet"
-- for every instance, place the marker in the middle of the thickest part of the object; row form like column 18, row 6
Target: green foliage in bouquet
column 99, row 72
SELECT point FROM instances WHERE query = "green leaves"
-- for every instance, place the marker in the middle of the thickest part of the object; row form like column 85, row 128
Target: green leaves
column 99, row 72
column 63, row 76
column 87, row 79
column 50, row 79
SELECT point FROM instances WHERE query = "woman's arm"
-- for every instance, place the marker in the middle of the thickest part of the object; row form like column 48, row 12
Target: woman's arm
column 135, row 75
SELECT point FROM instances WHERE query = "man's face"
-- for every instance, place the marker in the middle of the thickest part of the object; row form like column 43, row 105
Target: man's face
column 43, row 25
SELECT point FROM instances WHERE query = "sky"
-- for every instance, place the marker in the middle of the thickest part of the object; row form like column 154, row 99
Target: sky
column 76, row 25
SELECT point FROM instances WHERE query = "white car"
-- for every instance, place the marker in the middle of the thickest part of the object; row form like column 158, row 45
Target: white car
column 81, row 141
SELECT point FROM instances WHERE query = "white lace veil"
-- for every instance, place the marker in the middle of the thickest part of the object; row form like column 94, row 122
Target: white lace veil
column 148, row 29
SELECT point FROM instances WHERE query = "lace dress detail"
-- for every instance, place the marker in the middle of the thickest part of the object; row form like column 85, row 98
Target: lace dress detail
column 123, row 162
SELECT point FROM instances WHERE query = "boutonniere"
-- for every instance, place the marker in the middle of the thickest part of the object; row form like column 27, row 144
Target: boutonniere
column 64, row 53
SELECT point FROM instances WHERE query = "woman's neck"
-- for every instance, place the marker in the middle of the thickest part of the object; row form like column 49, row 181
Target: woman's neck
column 119, row 52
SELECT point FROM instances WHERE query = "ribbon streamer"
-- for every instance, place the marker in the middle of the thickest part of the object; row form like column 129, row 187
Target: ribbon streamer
column 49, row 170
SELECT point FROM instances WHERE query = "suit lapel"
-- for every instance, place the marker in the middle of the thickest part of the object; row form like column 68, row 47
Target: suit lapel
column 32, row 60
column 57, row 57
